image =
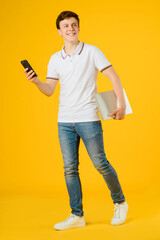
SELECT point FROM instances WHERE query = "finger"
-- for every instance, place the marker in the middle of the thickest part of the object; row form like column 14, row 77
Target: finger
column 111, row 114
column 25, row 70
column 28, row 73
column 31, row 75
column 115, row 111
column 115, row 118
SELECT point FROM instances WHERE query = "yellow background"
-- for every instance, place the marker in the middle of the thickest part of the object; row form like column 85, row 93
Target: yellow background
column 32, row 185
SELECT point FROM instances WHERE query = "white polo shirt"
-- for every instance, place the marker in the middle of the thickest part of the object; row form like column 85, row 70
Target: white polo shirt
column 77, row 75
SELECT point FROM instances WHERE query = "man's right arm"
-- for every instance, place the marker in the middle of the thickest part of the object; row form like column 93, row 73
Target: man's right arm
column 47, row 88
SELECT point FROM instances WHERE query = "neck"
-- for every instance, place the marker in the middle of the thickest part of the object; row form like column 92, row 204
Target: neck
column 69, row 47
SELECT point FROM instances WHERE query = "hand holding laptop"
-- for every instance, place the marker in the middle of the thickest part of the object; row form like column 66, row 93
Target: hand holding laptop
column 119, row 113
column 108, row 105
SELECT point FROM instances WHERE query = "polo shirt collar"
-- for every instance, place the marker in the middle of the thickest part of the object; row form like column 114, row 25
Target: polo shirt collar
column 77, row 51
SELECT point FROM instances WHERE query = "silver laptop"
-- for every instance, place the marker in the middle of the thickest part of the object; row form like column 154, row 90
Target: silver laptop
column 107, row 102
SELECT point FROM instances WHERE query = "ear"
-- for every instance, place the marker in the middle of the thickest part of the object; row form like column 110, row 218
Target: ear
column 59, row 32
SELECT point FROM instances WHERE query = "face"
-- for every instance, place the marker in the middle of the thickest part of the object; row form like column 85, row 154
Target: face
column 69, row 29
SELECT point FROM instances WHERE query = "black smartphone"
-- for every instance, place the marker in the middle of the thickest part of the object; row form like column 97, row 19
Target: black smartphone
column 26, row 64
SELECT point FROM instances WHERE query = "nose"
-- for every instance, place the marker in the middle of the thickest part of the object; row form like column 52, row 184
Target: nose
column 71, row 27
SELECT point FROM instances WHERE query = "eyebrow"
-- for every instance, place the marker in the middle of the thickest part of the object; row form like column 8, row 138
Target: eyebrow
column 71, row 23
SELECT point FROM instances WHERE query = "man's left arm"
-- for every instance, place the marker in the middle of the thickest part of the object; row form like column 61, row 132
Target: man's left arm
column 118, row 89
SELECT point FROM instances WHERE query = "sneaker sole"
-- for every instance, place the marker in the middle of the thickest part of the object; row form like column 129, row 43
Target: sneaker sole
column 68, row 227
column 114, row 224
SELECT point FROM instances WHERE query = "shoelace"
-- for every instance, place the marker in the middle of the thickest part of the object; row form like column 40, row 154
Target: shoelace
column 71, row 216
column 117, row 209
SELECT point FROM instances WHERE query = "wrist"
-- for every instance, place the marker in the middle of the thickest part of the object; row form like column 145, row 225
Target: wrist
column 36, row 81
column 122, row 106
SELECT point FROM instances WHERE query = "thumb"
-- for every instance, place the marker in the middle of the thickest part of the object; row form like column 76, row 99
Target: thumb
column 112, row 112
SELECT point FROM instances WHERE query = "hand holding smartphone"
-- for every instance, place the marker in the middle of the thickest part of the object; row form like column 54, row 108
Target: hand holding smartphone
column 30, row 73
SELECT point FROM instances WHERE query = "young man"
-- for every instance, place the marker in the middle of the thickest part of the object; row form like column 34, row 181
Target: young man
column 76, row 67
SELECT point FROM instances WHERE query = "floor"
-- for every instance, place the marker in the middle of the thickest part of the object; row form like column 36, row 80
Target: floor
column 32, row 216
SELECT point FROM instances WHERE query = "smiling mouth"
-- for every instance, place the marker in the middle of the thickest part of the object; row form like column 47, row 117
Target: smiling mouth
column 71, row 34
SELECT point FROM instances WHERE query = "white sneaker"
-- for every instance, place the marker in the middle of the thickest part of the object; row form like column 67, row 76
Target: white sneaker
column 71, row 222
column 120, row 213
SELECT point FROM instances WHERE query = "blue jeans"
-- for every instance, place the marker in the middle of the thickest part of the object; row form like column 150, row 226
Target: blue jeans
column 91, row 134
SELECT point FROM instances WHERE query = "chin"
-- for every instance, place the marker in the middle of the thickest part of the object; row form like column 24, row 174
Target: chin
column 72, row 39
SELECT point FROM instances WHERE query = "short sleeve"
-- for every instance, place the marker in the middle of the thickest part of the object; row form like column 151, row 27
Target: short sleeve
column 100, row 60
column 51, row 69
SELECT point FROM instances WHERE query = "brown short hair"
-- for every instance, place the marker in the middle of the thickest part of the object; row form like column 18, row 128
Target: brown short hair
column 66, row 14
